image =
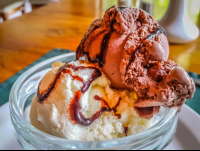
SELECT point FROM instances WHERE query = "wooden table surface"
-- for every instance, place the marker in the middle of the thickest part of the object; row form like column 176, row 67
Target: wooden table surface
column 62, row 25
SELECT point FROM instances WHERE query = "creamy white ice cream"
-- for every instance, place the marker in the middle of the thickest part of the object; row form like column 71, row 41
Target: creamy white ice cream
column 54, row 114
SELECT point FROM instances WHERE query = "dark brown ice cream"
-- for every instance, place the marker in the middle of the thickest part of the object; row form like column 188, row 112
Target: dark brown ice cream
column 132, row 50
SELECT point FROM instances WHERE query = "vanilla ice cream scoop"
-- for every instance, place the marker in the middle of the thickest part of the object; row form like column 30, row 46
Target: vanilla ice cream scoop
column 75, row 101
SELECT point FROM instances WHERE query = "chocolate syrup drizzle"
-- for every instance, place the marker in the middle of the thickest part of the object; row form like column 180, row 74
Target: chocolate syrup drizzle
column 96, row 27
column 97, row 73
column 121, row 8
column 115, row 109
column 126, row 131
column 100, row 58
column 43, row 96
column 104, row 46
column 157, row 31
column 75, row 108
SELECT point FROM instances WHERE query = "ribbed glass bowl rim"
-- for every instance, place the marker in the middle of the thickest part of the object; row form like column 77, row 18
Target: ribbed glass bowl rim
column 36, row 134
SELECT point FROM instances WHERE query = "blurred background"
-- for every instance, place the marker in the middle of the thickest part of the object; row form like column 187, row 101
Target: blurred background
column 10, row 9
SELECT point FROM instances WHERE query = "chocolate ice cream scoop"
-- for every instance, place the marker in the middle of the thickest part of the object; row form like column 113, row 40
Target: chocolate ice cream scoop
column 104, row 42
column 132, row 50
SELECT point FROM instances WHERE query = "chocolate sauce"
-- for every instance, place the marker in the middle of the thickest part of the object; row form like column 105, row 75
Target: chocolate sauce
column 97, row 73
column 75, row 108
column 106, row 104
column 96, row 27
column 75, row 111
column 94, row 76
column 115, row 109
column 77, row 78
column 156, row 32
column 45, row 95
column 121, row 8
column 78, row 118
column 119, row 116
column 103, row 102
column 126, row 131
column 100, row 58
column 104, row 46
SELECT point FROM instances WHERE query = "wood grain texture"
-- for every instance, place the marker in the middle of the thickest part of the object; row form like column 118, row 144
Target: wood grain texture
column 62, row 25
column 59, row 25
column 187, row 55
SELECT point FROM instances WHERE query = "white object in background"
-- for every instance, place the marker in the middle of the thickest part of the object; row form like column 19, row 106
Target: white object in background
column 124, row 3
column 177, row 23
column 28, row 9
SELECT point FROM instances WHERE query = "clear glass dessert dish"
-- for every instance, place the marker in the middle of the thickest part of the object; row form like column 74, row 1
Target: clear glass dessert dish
column 156, row 137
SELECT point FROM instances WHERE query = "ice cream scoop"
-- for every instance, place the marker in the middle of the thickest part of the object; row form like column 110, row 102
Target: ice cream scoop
column 132, row 50
column 107, row 38
column 75, row 101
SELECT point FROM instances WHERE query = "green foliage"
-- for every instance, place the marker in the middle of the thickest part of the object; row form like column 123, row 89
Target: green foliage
column 160, row 8
column 108, row 3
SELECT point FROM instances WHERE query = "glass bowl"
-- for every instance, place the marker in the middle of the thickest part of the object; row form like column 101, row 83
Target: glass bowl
column 22, row 92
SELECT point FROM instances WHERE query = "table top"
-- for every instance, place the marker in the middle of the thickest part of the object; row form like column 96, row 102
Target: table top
column 62, row 25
